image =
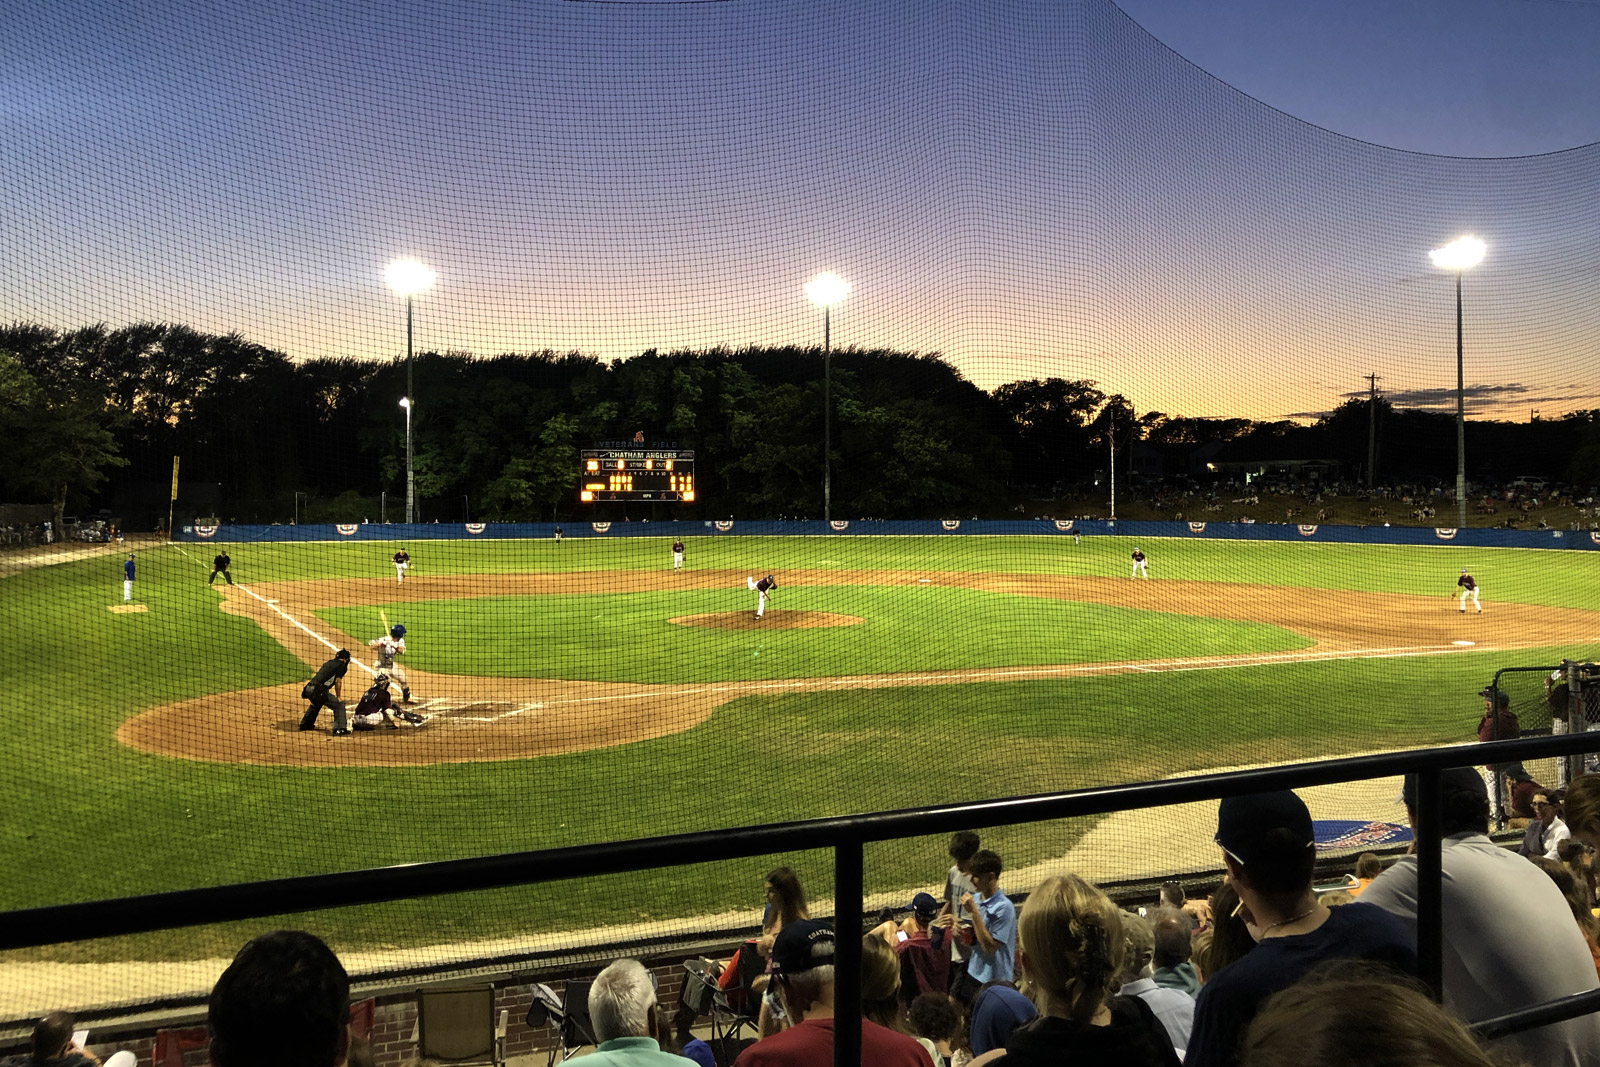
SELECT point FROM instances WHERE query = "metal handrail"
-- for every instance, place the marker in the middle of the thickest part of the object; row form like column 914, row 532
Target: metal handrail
column 845, row 835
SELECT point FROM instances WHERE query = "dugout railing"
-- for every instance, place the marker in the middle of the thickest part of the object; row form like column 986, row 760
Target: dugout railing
column 846, row 837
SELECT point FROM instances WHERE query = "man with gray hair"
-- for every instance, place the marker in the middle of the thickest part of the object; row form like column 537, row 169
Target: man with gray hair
column 1173, row 1007
column 622, row 1007
column 802, row 968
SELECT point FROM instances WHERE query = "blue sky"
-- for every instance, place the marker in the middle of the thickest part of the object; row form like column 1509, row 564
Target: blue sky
column 1031, row 187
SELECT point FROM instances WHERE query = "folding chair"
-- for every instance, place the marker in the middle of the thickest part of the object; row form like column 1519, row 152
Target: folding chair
column 570, row 1013
column 737, row 1009
column 457, row 1026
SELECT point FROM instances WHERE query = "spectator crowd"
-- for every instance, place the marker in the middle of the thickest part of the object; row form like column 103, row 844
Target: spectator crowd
column 1266, row 971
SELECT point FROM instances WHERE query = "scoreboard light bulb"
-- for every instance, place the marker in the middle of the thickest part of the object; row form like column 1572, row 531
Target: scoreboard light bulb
column 593, row 465
column 669, row 464
column 586, row 495
column 649, row 464
column 688, row 494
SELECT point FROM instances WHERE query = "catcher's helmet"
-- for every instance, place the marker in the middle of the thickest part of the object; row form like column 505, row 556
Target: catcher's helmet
column 380, row 679
column 397, row 631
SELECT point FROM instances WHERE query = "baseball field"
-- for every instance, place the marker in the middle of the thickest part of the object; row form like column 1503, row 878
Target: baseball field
column 584, row 691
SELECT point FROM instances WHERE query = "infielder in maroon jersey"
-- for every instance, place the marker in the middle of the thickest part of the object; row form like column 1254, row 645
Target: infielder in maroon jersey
column 1468, row 588
column 1138, row 565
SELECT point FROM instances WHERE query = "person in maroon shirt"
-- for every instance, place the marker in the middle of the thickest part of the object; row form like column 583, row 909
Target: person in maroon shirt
column 802, row 966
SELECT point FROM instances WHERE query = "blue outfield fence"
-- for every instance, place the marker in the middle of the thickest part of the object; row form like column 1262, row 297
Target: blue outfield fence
column 1217, row 531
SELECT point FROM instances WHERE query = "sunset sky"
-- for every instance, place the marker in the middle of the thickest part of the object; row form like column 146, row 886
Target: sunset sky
column 1215, row 209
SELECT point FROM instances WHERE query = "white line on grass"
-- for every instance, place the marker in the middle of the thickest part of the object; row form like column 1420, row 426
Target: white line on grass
column 898, row 680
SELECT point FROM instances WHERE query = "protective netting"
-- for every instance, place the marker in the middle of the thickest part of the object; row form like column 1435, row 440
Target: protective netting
column 1030, row 190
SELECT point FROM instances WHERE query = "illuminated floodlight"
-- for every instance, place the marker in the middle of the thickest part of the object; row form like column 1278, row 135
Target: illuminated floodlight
column 405, row 402
column 408, row 277
column 1460, row 254
column 827, row 289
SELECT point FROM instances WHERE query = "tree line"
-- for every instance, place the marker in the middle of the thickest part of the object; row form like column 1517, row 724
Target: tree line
column 91, row 418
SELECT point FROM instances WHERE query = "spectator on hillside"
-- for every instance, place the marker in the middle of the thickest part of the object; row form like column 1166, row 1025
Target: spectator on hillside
column 285, row 999
column 622, row 1007
column 993, row 921
column 1269, row 850
column 1173, row 946
column 1509, row 939
column 802, row 972
column 1174, row 1008
column 1072, row 951
column 1360, row 1015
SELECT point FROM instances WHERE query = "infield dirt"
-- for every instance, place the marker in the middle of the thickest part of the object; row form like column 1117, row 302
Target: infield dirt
column 494, row 718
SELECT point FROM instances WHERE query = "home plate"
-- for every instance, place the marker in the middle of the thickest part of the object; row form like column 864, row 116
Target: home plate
column 1467, row 644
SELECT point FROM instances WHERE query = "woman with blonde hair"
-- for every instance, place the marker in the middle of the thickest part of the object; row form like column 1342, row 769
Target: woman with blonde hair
column 1071, row 950
column 1354, row 1013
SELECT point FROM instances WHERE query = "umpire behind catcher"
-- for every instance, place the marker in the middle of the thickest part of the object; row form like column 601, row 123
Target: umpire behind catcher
column 323, row 691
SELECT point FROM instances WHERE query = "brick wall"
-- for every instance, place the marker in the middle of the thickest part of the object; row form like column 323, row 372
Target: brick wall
column 395, row 1019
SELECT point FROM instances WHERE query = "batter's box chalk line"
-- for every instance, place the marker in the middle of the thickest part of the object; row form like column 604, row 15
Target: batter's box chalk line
column 452, row 710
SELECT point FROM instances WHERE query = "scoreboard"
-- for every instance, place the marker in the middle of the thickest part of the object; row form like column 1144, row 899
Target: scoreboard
column 637, row 473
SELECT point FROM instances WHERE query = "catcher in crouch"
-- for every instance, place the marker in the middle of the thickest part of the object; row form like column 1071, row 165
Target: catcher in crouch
column 377, row 709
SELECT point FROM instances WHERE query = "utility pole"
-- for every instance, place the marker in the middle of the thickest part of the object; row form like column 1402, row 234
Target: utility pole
column 1372, row 427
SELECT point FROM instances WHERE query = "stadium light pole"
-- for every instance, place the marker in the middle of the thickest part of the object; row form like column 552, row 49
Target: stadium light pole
column 407, row 278
column 1459, row 255
column 826, row 290
column 405, row 402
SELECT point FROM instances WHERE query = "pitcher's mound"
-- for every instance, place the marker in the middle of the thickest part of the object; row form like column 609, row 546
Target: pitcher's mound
column 774, row 620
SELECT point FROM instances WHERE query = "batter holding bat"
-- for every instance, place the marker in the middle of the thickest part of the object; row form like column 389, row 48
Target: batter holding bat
column 389, row 646
column 763, row 588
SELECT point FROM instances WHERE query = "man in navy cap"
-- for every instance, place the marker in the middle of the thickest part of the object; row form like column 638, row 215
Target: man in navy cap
column 1269, row 850
column 802, row 967
column 1509, row 938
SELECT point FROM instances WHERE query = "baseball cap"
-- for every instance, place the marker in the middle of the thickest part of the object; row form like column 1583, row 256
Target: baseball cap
column 1243, row 824
column 699, row 1052
column 802, row 945
column 1500, row 695
column 924, row 904
column 1455, row 780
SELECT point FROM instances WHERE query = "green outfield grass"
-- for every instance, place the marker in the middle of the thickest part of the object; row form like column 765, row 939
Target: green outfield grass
column 89, row 818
